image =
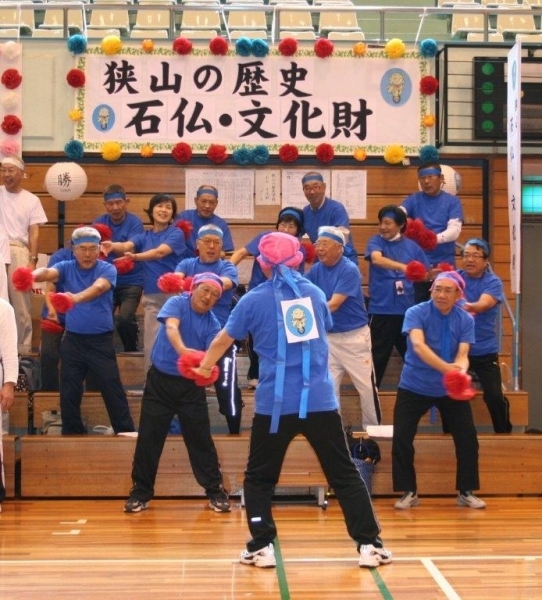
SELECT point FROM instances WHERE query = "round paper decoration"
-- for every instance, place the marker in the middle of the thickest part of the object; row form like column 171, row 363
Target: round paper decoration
column 66, row 181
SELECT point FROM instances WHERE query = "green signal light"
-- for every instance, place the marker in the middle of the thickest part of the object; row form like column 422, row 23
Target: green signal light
column 488, row 87
column 488, row 107
column 488, row 68
column 488, row 126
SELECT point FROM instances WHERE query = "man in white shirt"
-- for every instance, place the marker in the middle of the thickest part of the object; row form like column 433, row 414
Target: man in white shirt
column 5, row 260
column 21, row 214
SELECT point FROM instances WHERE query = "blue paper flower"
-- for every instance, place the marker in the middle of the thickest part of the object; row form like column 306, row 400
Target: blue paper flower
column 260, row 155
column 242, row 156
column 74, row 149
column 428, row 48
column 429, row 154
column 260, row 48
column 77, row 44
column 243, row 46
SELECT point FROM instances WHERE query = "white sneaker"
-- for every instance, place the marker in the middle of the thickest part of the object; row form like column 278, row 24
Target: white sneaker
column 371, row 556
column 263, row 558
column 408, row 500
column 470, row 500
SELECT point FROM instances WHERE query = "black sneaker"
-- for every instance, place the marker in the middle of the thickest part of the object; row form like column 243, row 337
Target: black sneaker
column 133, row 505
column 220, row 503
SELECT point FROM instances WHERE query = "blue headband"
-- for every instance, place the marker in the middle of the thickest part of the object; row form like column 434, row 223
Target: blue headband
column 331, row 236
column 429, row 171
column 87, row 239
column 114, row 196
column 390, row 215
column 312, row 177
column 479, row 242
column 289, row 212
column 209, row 191
column 210, row 230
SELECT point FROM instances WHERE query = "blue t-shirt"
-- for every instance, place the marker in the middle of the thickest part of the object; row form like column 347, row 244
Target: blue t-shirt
column 198, row 222
column 91, row 317
column 124, row 232
column 485, row 324
column 435, row 212
column 152, row 269
column 223, row 268
column 342, row 278
column 387, row 296
column 331, row 213
column 197, row 332
column 56, row 257
column 256, row 313
column 417, row 376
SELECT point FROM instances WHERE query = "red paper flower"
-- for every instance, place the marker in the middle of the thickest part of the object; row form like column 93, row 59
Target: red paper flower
column 11, row 78
column 288, row 153
column 288, row 46
column 309, row 251
column 323, row 48
column 325, row 153
column 61, row 302
column 22, row 279
column 104, row 230
column 444, row 266
column 415, row 271
column 185, row 226
column 123, row 265
column 11, row 125
column 219, row 46
column 217, row 154
column 76, row 78
column 51, row 326
column 428, row 85
column 182, row 152
column 170, row 283
column 458, row 385
column 182, row 45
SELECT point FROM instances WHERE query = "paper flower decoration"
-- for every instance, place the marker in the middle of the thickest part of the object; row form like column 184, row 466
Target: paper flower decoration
column 359, row 49
column 11, row 125
column 217, row 154
column 360, row 154
column 219, row 46
column 10, row 100
column 288, row 46
column 428, row 85
column 9, row 147
column 75, row 78
column 394, row 154
column 182, row 46
column 146, row 150
column 61, row 302
column 76, row 114
column 11, row 78
column 428, row 48
column 415, row 271
column 74, row 149
column 429, row 154
column 243, row 46
column 11, row 50
column 77, row 44
column 260, row 48
column 111, row 44
column 147, row 46
column 111, row 151
column 428, row 120
column 242, row 156
column 395, row 48
column 288, row 153
column 182, row 152
column 323, row 48
column 325, row 153
column 22, row 279
column 260, row 155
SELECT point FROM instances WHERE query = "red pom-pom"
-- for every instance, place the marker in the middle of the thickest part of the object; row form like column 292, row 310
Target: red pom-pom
column 61, row 302
column 51, row 326
column 413, row 228
column 323, row 48
column 205, row 381
column 182, row 152
column 325, row 153
column 309, row 251
column 104, row 230
column 11, row 79
column 187, row 284
column 185, row 226
column 123, row 265
column 192, row 360
column 218, row 46
column 76, row 78
column 427, row 239
column 22, row 279
column 182, row 45
column 11, row 125
column 288, row 153
column 217, row 154
column 170, row 283
column 428, row 85
column 444, row 266
column 458, row 385
column 415, row 271
column 288, row 46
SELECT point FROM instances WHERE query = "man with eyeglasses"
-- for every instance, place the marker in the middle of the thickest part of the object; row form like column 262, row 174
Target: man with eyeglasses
column 483, row 294
column 87, row 343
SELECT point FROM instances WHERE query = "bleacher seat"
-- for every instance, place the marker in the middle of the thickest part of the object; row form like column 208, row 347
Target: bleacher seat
column 110, row 18
column 346, row 36
column 152, row 19
column 479, row 37
column 512, row 24
column 297, row 35
column 204, row 20
column 152, row 34
column 17, row 16
column 254, row 34
column 529, row 38
column 247, row 20
column 101, row 33
column 9, row 33
column 53, row 18
column 337, row 21
column 468, row 22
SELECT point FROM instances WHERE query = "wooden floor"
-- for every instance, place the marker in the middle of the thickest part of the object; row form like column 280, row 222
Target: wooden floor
column 177, row 549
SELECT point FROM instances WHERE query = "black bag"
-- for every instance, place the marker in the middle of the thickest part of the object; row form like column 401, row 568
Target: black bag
column 29, row 379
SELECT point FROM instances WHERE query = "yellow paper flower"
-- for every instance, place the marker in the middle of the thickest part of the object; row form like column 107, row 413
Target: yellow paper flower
column 111, row 151
column 111, row 44
column 147, row 46
column 147, row 151
column 395, row 48
column 360, row 154
column 359, row 49
column 76, row 114
column 394, row 154
column 428, row 120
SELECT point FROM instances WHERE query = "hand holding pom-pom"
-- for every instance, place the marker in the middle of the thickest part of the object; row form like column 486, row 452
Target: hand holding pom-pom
column 185, row 226
column 309, row 251
column 458, row 385
column 61, row 302
column 51, row 327
column 415, row 271
column 170, row 283
column 22, row 279
column 205, row 381
column 187, row 284
column 123, row 265
column 413, row 229
column 191, row 360
column 427, row 239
